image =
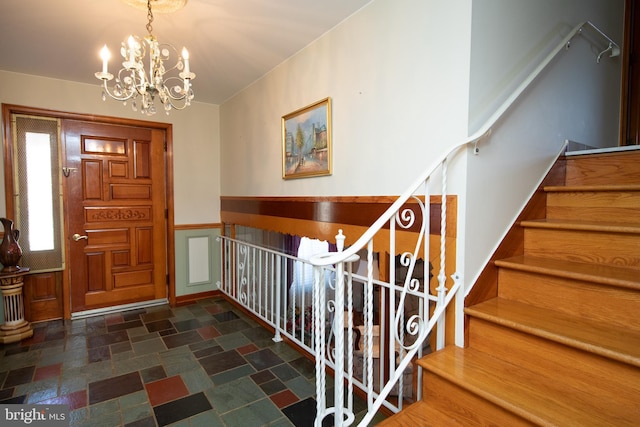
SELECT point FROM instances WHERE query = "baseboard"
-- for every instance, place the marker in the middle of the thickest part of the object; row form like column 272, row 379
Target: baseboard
column 192, row 298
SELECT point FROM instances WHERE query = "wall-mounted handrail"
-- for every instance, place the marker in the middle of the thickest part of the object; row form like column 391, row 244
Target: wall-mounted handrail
column 476, row 137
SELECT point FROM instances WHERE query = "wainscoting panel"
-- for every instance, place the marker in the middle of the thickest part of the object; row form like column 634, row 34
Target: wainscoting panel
column 197, row 259
column 198, row 254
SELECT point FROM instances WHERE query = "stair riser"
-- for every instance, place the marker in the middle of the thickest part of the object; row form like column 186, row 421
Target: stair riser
column 582, row 299
column 468, row 408
column 605, row 169
column 615, row 206
column 617, row 249
column 579, row 368
column 627, row 215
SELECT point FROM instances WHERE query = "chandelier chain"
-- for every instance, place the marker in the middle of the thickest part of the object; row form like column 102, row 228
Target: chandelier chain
column 149, row 17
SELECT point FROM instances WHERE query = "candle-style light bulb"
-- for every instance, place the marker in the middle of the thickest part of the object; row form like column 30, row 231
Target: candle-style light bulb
column 105, row 55
column 132, row 48
column 185, row 56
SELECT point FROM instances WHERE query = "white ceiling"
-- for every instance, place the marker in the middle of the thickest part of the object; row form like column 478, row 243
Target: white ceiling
column 231, row 42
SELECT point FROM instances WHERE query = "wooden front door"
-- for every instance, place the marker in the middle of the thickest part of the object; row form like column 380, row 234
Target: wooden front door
column 116, row 222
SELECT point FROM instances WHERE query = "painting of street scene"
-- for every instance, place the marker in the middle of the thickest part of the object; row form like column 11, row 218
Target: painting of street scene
column 306, row 141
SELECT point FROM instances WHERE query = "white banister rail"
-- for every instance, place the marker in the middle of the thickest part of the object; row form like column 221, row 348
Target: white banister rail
column 398, row 315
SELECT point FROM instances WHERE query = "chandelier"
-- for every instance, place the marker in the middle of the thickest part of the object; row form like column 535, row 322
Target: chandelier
column 171, row 86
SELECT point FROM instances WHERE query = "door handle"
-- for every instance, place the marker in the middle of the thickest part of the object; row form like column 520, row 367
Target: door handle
column 77, row 237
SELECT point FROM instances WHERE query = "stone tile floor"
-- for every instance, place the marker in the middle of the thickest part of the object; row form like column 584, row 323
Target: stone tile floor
column 203, row 364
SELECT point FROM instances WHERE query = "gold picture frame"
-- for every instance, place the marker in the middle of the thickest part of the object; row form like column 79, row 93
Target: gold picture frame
column 306, row 141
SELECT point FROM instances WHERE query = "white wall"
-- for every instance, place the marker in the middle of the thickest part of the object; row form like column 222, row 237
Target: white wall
column 575, row 99
column 196, row 139
column 410, row 78
column 397, row 73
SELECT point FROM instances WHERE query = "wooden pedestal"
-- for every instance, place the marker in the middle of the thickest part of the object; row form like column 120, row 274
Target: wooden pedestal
column 15, row 327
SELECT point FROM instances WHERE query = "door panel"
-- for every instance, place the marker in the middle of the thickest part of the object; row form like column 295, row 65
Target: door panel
column 116, row 205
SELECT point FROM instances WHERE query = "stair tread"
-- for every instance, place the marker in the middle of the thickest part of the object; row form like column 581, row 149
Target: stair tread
column 574, row 188
column 542, row 399
column 596, row 273
column 611, row 341
column 420, row 414
column 601, row 226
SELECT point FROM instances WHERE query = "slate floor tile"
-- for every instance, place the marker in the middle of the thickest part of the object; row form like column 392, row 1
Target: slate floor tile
column 107, row 339
column 180, row 409
column 110, row 388
column 220, row 362
column 272, row 387
column 181, row 339
column 234, row 395
column 225, row 316
column 99, row 354
column 165, row 390
column 205, row 364
column 258, row 413
column 284, row 398
column 302, row 413
column 263, row 359
column 153, row 373
column 19, row 376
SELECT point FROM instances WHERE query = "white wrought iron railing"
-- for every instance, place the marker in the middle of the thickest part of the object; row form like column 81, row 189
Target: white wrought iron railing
column 284, row 292
column 363, row 330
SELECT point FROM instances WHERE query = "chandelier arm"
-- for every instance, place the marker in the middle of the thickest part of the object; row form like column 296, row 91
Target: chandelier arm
column 180, row 95
column 129, row 96
column 179, row 64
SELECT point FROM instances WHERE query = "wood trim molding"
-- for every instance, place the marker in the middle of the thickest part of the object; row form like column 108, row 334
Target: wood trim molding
column 192, row 298
column 293, row 214
column 183, row 227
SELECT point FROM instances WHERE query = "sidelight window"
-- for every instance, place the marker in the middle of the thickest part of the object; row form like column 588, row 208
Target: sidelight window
column 36, row 191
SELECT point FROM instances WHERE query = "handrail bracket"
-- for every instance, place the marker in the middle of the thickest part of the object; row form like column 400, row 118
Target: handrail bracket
column 611, row 46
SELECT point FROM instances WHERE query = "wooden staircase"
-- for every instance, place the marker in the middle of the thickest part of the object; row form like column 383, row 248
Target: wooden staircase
column 560, row 343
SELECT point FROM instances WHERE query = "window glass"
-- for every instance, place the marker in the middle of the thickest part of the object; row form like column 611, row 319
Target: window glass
column 39, row 191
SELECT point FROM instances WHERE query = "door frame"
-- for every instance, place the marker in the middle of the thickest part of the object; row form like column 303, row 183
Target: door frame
column 630, row 30
column 9, row 109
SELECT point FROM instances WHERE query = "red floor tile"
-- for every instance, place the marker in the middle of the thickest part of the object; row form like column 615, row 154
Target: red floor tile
column 47, row 372
column 113, row 319
column 77, row 399
column 208, row 332
column 250, row 348
column 214, row 309
column 284, row 398
column 165, row 390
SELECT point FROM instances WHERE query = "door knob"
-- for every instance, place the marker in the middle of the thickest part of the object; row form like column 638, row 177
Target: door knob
column 77, row 237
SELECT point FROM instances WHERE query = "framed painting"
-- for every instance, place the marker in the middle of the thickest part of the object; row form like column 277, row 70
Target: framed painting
column 306, row 141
